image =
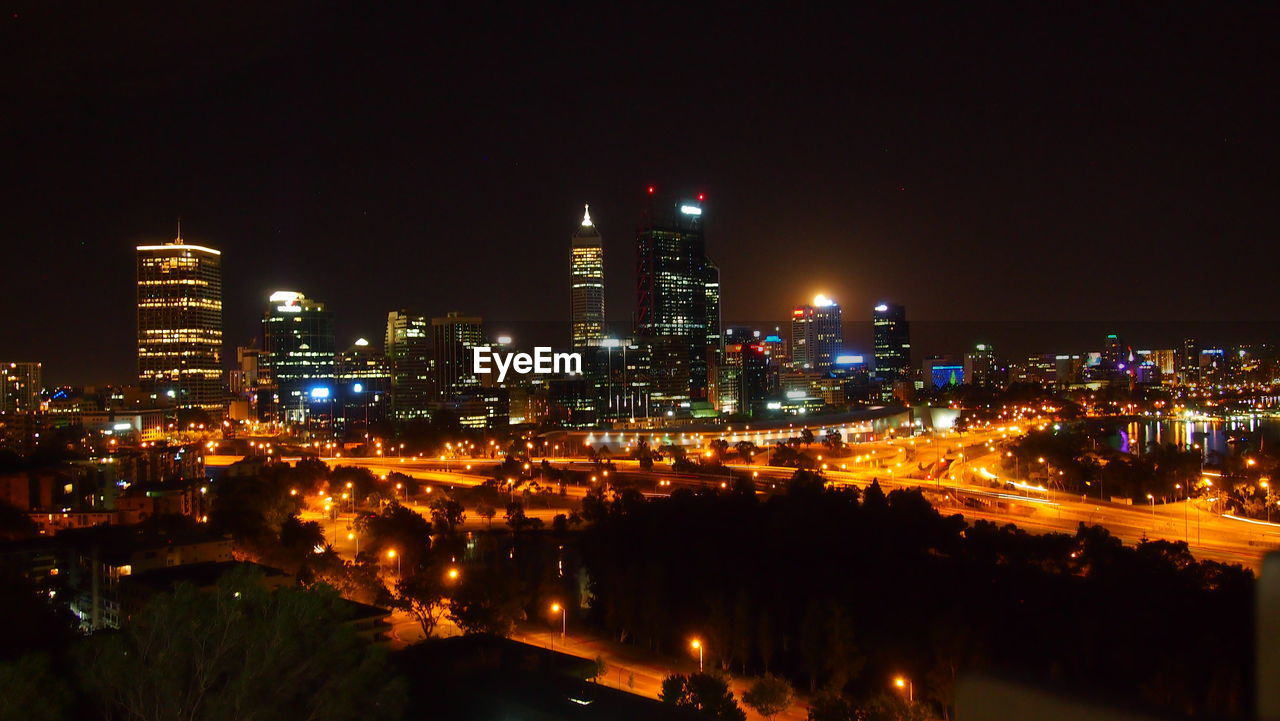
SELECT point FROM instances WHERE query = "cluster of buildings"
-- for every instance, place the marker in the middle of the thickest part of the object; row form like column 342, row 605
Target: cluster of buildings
column 674, row 361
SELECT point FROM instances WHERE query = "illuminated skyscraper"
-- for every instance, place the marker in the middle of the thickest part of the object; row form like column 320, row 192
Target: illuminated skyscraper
column 892, row 339
column 22, row 384
column 297, row 333
column 816, row 336
column 455, row 336
column 678, row 301
column 180, row 324
column 586, row 294
column 408, row 346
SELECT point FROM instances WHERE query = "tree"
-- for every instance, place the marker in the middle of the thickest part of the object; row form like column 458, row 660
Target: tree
column 746, row 450
column 704, row 693
column 31, row 691
column 421, row 594
column 447, row 514
column 769, row 696
column 831, row 705
column 806, row 436
column 15, row 524
column 516, row 517
column 239, row 651
column 487, row 601
column 487, row 512
column 401, row 529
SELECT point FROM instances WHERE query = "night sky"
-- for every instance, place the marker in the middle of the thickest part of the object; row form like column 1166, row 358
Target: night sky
column 1036, row 163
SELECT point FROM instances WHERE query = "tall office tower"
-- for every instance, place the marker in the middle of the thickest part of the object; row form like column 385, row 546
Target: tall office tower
column 455, row 336
column 980, row 366
column 22, row 384
column 180, row 324
column 408, row 349
column 892, row 341
column 1189, row 362
column 744, row 378
column 362, row 376
column 816, row 336
column 586, row 293
column 297, row 333
column 678, row 300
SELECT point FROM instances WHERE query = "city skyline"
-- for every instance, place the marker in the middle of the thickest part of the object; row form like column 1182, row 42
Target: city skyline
column 862, row 196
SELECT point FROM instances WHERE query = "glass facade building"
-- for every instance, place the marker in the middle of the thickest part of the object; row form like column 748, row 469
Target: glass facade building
column 297, row 333
column 892, row 340
column 408, row 347
column 678, row 302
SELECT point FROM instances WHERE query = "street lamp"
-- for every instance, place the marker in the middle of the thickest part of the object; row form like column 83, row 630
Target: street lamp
column 564, row 619
column 452, row 574
column 1152, row 499
column 697, row 644
column 392, row 554
column 356, row 538
column 905, row 683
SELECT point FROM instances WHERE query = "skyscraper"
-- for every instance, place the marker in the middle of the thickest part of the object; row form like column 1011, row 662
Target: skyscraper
column 455, row 336
column 180, row 324
column 678, row 300
column 816, row 336
column 586, row 293
column 408, row 348
column 297, row 333
column 980, row 366
column 22, row 384
column 362, row 379
column 892, row 340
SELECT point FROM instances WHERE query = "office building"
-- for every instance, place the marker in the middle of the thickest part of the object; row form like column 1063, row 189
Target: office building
column 22, row 385
column 980, row 366
column 455, row 335
column 362, row 381
column 586, row 292
column 1189, row 362
column 180, row 324
column 892, row 342
column 677, row 301
column 408, row 349
column 816, row 335
column 297, row 333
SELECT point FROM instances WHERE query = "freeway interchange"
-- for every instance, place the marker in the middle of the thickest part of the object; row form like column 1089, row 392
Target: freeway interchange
column 970, row 487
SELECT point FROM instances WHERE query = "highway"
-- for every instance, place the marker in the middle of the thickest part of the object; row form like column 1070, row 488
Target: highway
column 972, row 488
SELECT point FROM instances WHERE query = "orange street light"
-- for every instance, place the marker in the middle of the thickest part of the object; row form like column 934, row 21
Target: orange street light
column 906, row 683
column 392, row 554
column 697, row 645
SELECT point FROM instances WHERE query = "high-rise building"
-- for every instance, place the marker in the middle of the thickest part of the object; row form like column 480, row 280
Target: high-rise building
column 180, row 324
column 678, row 301
column 362, row 380
column 408, row 348
column 22, row 385
column 980, row 366
column 816, row 336
column 297, row 333
column 892, row 341
column 455, row 336
column 1189, row 362
column 744, row 378
column 586, row 293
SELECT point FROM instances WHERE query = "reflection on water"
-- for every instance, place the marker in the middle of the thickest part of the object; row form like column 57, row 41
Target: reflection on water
column 1222, row 437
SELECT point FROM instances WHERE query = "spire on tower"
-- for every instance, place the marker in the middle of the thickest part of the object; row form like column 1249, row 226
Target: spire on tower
column 586, row 215
column 178, row 240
